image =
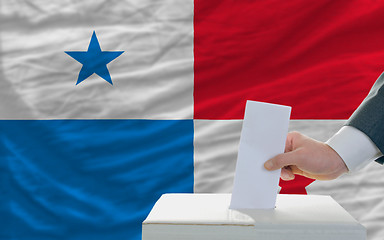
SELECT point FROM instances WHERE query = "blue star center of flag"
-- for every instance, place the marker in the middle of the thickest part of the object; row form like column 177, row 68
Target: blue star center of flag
column 94, row 60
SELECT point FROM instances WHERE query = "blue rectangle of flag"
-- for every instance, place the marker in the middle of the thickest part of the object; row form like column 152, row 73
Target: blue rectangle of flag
column 89, row 179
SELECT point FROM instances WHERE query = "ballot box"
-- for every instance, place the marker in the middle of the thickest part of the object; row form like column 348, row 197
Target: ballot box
column 208, row 217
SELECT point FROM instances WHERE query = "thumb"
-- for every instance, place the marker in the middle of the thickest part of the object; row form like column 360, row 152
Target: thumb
column 282, row 160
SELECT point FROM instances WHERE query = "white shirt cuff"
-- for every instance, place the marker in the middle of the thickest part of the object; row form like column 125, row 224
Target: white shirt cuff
column 354, row 147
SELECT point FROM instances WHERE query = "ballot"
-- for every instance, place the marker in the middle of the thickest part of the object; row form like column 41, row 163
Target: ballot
column 208, row 217
column 263, row 136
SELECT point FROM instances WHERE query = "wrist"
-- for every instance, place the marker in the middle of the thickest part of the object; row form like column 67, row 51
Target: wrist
column 354, row 147
column 339, row 166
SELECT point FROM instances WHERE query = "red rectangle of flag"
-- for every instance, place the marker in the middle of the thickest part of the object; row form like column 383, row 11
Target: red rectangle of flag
column 319, row 57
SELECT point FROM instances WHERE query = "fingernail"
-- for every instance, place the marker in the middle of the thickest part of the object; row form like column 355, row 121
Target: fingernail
column 285, row 176
column 268, row 165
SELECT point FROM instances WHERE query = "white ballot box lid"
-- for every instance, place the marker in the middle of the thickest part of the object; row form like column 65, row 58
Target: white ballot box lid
column 207, row 216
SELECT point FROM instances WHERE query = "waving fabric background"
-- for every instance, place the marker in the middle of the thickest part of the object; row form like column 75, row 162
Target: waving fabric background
column 89, row 160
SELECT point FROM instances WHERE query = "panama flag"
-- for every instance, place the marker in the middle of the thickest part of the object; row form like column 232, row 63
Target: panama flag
column 106, row 105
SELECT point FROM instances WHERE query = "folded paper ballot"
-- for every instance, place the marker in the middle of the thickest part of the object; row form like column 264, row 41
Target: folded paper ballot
column 208, row 217
column 263, row 135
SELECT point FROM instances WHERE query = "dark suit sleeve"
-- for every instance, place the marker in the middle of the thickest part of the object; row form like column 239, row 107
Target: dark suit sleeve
column 369, row 116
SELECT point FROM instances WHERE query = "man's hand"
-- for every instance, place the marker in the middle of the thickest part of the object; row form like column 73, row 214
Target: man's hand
column 307, row 157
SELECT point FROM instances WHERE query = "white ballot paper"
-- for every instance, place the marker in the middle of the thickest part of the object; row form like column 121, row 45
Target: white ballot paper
column 263, row 136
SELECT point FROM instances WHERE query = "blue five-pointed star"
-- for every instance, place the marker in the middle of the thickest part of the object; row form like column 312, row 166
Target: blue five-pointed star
column 94, row 60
